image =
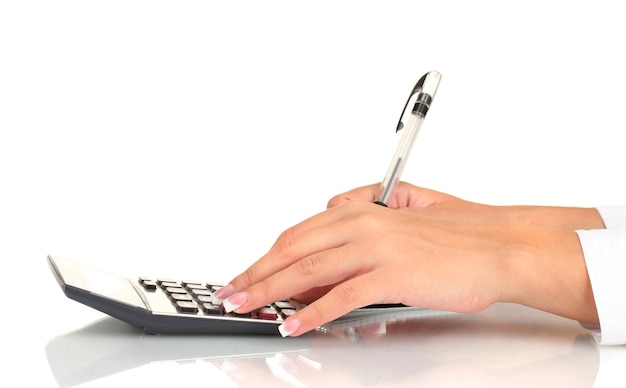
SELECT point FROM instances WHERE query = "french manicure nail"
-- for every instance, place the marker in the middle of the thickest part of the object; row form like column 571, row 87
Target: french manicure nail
column 222, row 293
column 235, row 301
column 289, row 327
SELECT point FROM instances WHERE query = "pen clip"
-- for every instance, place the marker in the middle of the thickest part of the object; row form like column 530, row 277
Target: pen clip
column 421, row 96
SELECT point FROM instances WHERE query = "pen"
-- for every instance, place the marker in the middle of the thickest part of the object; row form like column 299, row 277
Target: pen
column 419, row 100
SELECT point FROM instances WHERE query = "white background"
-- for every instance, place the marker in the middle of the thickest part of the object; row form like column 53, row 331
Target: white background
column 180, row 138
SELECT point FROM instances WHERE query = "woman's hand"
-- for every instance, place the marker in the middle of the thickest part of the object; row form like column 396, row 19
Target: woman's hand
column 426, row 253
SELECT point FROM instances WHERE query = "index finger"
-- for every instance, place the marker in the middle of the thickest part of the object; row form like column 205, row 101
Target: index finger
column 316, row 234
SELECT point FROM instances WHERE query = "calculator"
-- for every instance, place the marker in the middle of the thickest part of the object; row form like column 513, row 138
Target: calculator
column 165, row 305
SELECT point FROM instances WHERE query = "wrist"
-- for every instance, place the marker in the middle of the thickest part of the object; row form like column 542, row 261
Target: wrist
column 545, row 269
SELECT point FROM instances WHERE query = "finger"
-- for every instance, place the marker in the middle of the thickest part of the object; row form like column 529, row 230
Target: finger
column 345, row 297
column 314, row 271
column 364, row 193
column 327, row 230
column 405, row 195
column 313, row 294
column 293, row 244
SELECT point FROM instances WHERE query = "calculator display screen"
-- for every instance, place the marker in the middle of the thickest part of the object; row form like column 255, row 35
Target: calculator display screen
column 98, row 282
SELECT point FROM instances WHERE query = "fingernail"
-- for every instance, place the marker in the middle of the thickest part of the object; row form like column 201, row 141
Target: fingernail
column 222, row 293
column 378, row 328
column 289, row 327
column 235, row 301
column 288, row 363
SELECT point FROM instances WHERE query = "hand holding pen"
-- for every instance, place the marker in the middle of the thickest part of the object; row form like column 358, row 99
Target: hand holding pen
column 356, row 254
column 419, row 102
column 433, row 250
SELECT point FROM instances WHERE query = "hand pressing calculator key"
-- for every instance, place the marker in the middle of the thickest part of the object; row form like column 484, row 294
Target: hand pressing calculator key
column 162, row 305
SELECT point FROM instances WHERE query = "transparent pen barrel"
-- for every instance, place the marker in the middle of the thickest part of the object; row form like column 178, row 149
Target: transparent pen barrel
column 399, row 159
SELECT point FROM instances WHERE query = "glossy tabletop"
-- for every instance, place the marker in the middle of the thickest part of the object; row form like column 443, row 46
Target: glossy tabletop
column 505, row 345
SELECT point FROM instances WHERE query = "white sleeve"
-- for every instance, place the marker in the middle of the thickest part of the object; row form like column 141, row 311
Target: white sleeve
column 605, row 257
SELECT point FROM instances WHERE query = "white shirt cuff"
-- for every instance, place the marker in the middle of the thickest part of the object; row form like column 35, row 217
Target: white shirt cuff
column 605, row 256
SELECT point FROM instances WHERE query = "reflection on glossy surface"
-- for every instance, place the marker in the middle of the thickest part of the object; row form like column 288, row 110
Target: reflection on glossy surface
column 505, row 345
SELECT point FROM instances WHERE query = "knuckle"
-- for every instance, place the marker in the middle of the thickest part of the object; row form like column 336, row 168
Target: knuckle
column 244, row 279
column 286, row 242
column 309, row 266
column 369, row 220
column 335, row 201
column 263, row 287
column 347, row 294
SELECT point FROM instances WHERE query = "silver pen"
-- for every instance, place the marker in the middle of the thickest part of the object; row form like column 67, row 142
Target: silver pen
column 419, row 101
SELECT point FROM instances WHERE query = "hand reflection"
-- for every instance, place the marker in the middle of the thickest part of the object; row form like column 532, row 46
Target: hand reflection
column 502, row 346
column 494, row 348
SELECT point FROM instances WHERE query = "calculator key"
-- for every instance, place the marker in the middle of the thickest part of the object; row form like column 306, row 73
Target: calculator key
column 186, row 283
column 148, row 285
column 287, row 313
column 205, row 299
column 241, row 315
column 203, row 292
column 164, row 280
column 175, row 290
column 164, row 285
column 267, row 313
column 181, row 297
column 212, row 309
column 186, row 307
column 284, row 305
column 196, row 287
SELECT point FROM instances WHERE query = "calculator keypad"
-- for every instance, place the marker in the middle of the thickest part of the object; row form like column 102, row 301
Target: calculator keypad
column 194, row 297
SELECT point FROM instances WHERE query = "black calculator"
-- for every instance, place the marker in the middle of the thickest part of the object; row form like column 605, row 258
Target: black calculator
column 164, row 305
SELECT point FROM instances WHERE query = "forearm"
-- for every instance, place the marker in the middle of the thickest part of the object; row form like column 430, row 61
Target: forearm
column 566, row 218
column 546, row 269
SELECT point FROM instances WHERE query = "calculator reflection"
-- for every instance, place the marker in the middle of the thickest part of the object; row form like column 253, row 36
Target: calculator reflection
column 440, row 350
